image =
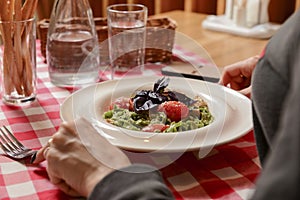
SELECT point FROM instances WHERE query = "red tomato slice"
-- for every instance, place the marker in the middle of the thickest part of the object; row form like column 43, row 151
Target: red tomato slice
column 155, row 127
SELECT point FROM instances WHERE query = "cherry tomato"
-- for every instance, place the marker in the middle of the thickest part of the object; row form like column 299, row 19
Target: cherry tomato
column 174, row 110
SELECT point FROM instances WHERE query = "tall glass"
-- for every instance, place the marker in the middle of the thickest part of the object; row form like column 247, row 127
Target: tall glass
column 127, row 37
column 18, row 61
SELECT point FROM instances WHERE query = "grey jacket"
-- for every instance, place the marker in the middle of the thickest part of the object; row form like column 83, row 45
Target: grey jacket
column 276, row 114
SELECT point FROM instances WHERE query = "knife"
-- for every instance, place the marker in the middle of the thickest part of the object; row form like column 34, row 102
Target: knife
column 169, row 72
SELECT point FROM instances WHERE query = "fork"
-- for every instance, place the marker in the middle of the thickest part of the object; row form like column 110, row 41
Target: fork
column 11, row 146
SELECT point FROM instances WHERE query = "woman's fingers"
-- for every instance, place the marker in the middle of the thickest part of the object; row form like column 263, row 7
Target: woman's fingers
column 40, row 155
column 238, row 75
column 246, row 92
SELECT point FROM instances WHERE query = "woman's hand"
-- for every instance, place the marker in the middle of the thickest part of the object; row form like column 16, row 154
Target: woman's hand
column 78, row 158
column 238, row 75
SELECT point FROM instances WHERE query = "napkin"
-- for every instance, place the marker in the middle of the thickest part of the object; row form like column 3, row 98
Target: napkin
column 223, row 24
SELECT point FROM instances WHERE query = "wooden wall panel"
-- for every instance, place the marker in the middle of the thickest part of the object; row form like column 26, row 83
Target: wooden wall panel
column 168, row 5
column 280, row 10
column 97, row 7
column 149, row 3
column 205, row 6
column 154, row 6
column 44, row 9
column 221, row 7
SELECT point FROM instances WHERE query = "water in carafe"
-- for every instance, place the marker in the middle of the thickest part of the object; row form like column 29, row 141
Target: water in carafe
column 72, row 44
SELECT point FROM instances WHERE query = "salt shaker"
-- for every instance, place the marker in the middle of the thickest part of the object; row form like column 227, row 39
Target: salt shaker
column 229, row 9
column 72, row 49
column 257, row 12
column 239, row 13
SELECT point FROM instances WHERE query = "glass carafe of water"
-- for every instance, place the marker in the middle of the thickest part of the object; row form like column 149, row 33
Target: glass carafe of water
column 72, row 44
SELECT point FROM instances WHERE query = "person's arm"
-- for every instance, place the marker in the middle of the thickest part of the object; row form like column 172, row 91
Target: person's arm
column 237, row 76
column 280, row 178
column 134, row 182
column 83, row 163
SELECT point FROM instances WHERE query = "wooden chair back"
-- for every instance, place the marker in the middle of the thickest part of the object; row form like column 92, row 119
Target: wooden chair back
column 154, row 6
column 279, row 10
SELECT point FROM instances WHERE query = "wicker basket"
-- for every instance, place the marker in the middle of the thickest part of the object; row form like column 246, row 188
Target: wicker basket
column 159, row 39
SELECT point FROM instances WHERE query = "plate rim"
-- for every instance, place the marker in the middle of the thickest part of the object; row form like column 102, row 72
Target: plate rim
column 174, row 149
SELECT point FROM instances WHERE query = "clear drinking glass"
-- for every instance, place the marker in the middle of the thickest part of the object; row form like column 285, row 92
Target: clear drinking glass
column 127, row 33
column 18, row 61
column 72, row 44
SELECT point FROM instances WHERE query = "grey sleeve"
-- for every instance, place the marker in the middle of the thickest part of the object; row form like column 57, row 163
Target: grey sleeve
column 271, row 83
column 136, row 182
column 280, row 178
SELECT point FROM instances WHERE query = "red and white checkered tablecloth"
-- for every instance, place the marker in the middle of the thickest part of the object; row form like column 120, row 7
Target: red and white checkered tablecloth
column 228, row 172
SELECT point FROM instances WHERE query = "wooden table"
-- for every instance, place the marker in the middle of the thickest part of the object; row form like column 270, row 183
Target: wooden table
column 223, row 48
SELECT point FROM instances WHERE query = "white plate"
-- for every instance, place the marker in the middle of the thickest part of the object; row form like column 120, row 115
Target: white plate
column 231, row 111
